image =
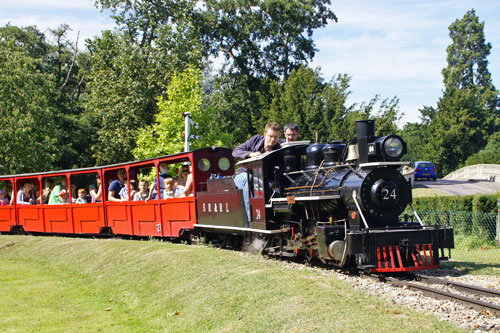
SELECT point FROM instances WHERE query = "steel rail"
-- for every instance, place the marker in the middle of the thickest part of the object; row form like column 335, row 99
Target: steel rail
column 458, row 285
column 479, row 305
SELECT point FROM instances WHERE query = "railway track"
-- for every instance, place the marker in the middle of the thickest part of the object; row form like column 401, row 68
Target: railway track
column 470, row 299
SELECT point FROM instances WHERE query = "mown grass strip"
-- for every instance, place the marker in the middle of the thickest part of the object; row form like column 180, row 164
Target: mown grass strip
column 66, row 284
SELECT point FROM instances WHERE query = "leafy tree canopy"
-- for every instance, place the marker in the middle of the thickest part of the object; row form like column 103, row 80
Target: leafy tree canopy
column 28, row 136
column 467, row 112
column 163, row 137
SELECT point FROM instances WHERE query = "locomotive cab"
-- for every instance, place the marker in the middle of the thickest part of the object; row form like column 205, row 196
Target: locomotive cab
column 267, row 181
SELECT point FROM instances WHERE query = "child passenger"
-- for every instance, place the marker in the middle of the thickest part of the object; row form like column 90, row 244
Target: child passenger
column 143, row 193
column 134, row 188
column 169, row 191
column 124, row 191
column 82, row 196
column 3, row 200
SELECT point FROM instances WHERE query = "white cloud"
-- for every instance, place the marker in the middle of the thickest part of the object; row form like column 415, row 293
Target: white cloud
column 80, row 15
column 47, row 4
column 398, row 48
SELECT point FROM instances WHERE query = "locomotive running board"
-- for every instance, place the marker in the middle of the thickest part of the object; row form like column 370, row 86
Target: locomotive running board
column 222, row 227
column 295, row 199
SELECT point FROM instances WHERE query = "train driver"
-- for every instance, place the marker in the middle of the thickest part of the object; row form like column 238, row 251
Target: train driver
column 291, row 132
column 253, row 147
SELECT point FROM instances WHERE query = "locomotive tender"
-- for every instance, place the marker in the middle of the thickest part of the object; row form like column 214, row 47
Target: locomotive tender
column 313, row 201
column 309, row 201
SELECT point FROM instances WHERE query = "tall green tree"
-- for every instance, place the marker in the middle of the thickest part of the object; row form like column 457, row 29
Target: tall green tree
column 131, row 68
column 60, row 62
column 304, row 98
column 264, row 38
column 184, row 94
column 467, row 113
column 490, row 154
column 29, row 136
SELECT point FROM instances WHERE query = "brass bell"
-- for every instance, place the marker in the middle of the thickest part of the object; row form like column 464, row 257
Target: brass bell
column 352, row 153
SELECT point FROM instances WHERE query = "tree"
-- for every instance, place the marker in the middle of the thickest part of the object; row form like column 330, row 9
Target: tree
column 265, row 38
column 29, row 136
column 387, row 117
column 163, row 137
column 131, row 68
column 490, row 154
column 467, row 113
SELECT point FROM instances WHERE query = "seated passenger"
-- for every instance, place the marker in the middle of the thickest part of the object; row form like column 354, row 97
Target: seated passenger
column 74, row 193
column 25, row 195
column 82, row 196
column 3, row 200
column 38, row 196
column 164, row 169
column 134, row 188
column 143, row 193
column 179, row 191
column 124, row 191
column 63, row 196
column 182, row 179
column 188, row 188
column 116, row 186
column 55, row 197
column 169, row 191
column 49, row 185
column 96, row 195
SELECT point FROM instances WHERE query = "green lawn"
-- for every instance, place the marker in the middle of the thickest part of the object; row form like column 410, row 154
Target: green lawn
column 483, row 261
column 420, row 192
column 86, row 285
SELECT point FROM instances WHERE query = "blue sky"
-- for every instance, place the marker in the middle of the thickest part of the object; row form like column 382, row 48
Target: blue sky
column 389, row 47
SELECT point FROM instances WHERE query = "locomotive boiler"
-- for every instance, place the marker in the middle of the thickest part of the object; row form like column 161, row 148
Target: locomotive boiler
column 339, row 203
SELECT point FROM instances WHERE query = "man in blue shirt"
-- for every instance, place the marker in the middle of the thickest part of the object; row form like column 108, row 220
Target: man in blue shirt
column 116, row 186
column 255, row 146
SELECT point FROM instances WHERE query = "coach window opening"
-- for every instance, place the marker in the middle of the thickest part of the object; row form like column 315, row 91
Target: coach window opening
column 35, row 186
column 7, row 196
column 83, row 184
column 59, row 192
column 139, row 174
column 109, row 176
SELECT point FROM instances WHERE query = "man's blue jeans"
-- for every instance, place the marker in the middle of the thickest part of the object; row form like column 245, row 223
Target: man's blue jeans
column 241, row 182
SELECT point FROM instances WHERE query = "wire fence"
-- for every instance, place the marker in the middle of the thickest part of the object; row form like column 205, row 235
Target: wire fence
column 477, row 238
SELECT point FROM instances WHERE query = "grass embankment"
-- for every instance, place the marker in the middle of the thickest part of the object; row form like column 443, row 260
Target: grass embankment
column 67, row 284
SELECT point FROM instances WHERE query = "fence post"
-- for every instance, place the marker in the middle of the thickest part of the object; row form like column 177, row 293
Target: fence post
column 498, row 221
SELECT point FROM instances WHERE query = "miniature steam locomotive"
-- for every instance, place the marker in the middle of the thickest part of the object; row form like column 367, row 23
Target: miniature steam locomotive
column 334, row 202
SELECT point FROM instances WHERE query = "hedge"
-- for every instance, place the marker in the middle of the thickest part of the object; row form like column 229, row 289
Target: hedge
column 482, row 203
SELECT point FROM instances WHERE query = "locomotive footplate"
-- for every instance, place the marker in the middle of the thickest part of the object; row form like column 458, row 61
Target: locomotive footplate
column 398, row 250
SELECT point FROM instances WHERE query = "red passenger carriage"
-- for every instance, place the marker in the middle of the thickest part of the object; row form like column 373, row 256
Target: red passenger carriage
column 173, row 217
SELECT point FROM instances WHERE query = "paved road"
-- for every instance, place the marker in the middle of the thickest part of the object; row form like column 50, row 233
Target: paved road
column 460, row 187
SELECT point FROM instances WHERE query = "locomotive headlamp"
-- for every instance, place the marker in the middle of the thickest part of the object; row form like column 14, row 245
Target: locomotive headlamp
column 391, row 147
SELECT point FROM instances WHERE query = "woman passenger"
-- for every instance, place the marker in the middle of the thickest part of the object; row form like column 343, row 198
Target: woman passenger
column 96, row 195
column 25, row 195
